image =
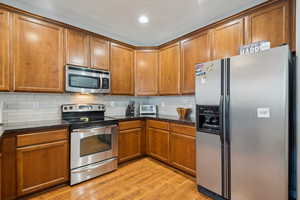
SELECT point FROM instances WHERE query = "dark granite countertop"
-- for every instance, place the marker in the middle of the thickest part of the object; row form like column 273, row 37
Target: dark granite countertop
column 168, row 118
column 23, row 127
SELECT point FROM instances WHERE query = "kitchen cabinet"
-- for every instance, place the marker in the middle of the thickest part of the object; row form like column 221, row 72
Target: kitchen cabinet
column 270, row 24
column 131, row 140
column 158, row 144
column 169, row 70
column 227, row 39
column 146, row 72
column 41, row 166
column 194, row 50
column 37, row 55
column 292, row 23
column 99, row 53
column 4, row 50
column 77, row 48
column 129, row 144
column 42, row 160
column 183, row 148
column 172, row 143
column 122, row 70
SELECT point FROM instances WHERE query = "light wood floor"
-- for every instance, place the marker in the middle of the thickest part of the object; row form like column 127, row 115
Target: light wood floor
column 143, row 179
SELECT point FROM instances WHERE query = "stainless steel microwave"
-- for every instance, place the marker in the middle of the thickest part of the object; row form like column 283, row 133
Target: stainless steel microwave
column 86, row 80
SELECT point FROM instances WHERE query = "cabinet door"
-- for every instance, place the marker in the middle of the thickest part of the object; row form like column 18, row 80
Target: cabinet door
column 4, row 50
column 37, row 55
column 99, row 53
column 227, row 39
column 193, row 50
column 42, row 166
column 77, row 48
column 129, row 144
column 122, row 66
column 183, row 152
column 169, row 70
column 158, row 144
column 146, row 72
column 269, row 24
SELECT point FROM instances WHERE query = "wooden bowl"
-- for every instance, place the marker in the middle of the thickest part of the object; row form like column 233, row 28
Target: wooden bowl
column 183, row 112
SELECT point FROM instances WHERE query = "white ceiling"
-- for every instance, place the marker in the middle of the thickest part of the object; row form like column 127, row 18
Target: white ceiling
column 118, row 19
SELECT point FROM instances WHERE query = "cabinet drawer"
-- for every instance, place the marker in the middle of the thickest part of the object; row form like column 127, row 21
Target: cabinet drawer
column 41, row 137
column 184, row 129
column 130, row 124
column 158, row 124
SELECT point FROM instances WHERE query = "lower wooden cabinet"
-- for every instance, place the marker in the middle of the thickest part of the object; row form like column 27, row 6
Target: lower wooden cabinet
column 158, row 144
column 172, row 143
column 183, row 152
column 130, row 144
column 41, row 166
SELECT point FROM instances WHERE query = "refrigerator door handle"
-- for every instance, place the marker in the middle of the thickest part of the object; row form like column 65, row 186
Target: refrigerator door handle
column 221, row 132
column 226, row 115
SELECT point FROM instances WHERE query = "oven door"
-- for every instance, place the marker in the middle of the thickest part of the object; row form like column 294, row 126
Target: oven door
column 83, row 80
column 90, row 145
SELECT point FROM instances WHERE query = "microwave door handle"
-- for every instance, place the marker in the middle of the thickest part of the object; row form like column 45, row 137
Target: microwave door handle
column 101, row 81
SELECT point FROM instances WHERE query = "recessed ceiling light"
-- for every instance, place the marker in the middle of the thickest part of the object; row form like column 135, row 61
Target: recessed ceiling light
column 143, row 19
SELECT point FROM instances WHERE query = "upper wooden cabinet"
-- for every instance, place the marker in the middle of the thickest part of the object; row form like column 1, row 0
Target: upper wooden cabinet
column 77, row 48
column 227, row 39
column 146, row 72
column 193, row 50
column 169, row 70
column 269, row 24
column 99, row 53
column 122, row 70
column 4, row 50
column 37, row 55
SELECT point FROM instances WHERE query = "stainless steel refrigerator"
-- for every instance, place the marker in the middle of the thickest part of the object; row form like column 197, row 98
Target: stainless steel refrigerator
column 242, row 113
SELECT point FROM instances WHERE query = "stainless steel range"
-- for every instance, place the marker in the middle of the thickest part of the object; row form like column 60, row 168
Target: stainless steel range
column 94, row 141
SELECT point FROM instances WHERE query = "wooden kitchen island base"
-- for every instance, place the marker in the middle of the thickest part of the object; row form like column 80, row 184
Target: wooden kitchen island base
column 145, row 179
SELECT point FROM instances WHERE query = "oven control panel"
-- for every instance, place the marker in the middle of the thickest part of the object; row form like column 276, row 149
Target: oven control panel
column 83, row 107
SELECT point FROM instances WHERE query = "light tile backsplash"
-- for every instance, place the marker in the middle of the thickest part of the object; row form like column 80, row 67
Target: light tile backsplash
column 167, row 104
column 20, row 107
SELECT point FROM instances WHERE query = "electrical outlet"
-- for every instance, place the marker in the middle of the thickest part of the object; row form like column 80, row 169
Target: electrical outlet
column 112, row 103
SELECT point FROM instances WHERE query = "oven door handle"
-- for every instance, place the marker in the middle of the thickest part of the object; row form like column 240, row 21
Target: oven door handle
column 83, row 133
column 92, row 166
column 96, row 129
